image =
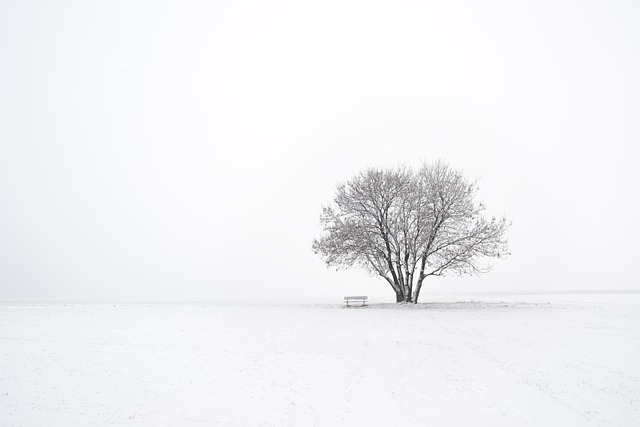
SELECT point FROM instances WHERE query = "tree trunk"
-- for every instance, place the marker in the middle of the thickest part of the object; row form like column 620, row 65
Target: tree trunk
column 399, row 297
column 396, row 288
column 401, row 278
column 411, row 277
column 407, row 291
column 416, row 291
column 421, row 276
column 407, row 297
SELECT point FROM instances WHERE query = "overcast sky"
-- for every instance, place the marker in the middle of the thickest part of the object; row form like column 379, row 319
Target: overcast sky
column 182, row 150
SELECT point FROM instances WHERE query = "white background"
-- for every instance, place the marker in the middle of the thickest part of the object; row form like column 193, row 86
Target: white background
column 182, row 150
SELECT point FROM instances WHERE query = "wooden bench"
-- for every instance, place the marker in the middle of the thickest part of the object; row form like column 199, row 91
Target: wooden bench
column 361, row 299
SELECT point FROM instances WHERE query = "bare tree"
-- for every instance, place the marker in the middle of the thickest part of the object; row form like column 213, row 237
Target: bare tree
column 405, row 226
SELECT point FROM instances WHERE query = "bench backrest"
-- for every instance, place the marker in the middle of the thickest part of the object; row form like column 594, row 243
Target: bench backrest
column 356, row 297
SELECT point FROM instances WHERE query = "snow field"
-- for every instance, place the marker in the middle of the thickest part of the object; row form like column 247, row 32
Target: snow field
column 565, row 360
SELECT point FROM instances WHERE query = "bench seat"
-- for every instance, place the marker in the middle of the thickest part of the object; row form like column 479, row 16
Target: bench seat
column 362, row 299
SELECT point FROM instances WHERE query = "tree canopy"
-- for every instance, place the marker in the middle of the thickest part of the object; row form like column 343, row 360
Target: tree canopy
column 405, row 225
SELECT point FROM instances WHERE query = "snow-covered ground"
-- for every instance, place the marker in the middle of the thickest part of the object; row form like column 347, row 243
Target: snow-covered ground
column 494, row 360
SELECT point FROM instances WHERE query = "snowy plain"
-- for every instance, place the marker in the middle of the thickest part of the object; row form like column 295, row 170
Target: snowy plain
column 482, row 360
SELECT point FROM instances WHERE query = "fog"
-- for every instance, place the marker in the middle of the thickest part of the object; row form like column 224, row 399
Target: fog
column 183, row 150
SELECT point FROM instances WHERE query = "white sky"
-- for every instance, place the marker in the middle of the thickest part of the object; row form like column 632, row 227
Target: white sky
column 182, row 150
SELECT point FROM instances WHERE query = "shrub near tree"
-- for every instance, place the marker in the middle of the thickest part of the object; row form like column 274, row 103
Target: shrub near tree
column 405, row 225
